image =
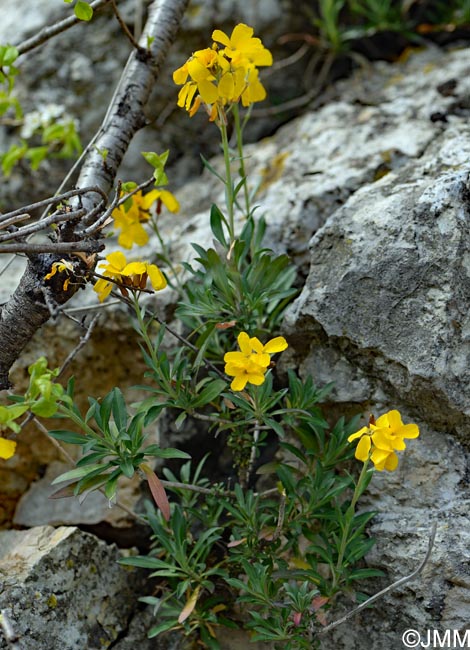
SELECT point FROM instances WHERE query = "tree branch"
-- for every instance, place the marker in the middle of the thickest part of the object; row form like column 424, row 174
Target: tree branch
column 26, row 311
column 52, row 30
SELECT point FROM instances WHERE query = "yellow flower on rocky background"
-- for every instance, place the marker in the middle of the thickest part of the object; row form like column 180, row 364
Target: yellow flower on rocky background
column 7, row 448
column 219, row 76
column 379, row 441
column 128, row 217
column 132, row 275
column 251, row 363
column 241, row 47
column 61, row 267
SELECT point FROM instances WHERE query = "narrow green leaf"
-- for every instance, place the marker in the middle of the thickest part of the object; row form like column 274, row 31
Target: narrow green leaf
column 167, row 452
column 216, row 221
column 69, row 437
column 79, row 472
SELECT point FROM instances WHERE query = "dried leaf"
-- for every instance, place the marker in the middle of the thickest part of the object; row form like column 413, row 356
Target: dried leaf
column 157, row 490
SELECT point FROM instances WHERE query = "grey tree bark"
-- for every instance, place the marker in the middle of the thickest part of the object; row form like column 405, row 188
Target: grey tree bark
column 30, row 305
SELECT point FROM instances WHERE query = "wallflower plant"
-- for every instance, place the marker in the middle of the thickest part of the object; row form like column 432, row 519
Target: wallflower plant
column 226, row 552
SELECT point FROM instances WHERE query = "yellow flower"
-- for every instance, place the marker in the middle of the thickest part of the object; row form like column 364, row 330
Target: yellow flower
column 199, row 68
column 251, row 364
column 132, row 275
column 218, row 76
column 382, row 438
column 7, row 448
column 241, row 47
column 129, row 219
column 60, row 267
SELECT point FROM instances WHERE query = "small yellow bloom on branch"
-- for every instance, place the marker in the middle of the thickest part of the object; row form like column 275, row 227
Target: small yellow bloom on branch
column 382, row 438
column 132, row 275
column 251, row 363
column 129, row 217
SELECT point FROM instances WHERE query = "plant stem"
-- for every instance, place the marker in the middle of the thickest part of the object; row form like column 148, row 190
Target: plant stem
column 241, row 171
column 229, row 194
column 349, row 515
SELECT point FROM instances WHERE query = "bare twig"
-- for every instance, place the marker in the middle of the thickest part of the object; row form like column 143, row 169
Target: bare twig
column 54, row 200
column 125, row 29
column 59, row 247
column 394, row 585
column 52, row 30
column 57, row 217
column 83, row 341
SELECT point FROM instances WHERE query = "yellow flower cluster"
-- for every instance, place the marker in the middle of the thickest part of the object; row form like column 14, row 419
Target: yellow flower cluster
column 128, row 217
column 7, row 448
column 225, row 73
column 250, row 365
column 379, row 441
column 132, row 275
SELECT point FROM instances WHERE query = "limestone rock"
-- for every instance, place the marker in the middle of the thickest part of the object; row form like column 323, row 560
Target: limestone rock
column 63, row 589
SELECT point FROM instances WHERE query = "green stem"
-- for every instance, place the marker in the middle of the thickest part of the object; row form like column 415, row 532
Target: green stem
column 229, row 195
column 349, row 515
column 166, row 256
column 242, row 171
column 143, row 329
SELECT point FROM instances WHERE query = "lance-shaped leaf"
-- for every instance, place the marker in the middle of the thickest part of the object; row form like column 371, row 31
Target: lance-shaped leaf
column 157, row 490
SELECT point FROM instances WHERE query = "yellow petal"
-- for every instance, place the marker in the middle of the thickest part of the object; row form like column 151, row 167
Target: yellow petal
column 391, row 463
column 149, row 199
column 180, row 75
column 363, row 448
column 7, row 448
column 157, row 279
column 52, row 272
column 133, row 234
column 239, row 383
column 358, row 434
column 275, row 345
column 240, row 33
column 255, row 378
column 244, row 343
column 261, row 360
column 394, row 419
column 227, row 86
column 235, row 357
column 169, row 201
column 103, row 289
column 117, row 259
column 134, row 268
column 195, row 107
column 220, row 37
column 198, row 71
column 408, row 431
column 208, row 91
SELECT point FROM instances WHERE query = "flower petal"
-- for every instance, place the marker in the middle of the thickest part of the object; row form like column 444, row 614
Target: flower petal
column 239, row 382
column 157, row 279
column 7, row 448
column 244, row 343
column 219, row 36
column 363, row 449
column 169, row 201
column 277, row 344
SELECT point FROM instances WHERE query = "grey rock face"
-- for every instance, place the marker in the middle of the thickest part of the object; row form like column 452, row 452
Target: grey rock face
column 63, row 589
